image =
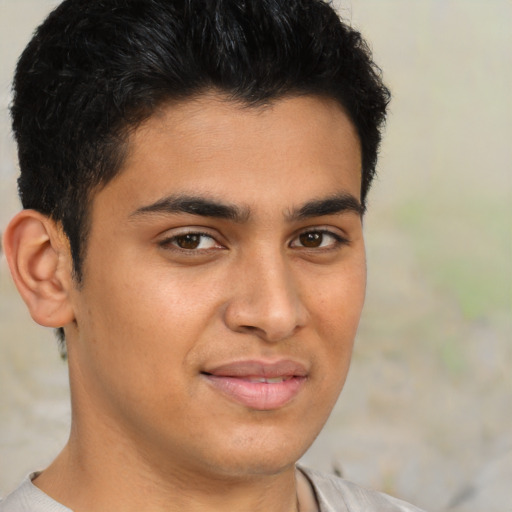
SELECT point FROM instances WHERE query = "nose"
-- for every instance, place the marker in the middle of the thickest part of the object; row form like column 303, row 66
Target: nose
column 266, row 301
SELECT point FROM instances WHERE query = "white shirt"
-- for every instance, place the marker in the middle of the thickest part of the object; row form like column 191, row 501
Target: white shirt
column 333, row 494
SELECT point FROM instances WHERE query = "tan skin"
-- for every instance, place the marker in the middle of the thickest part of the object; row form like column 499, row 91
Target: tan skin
column 169, row 294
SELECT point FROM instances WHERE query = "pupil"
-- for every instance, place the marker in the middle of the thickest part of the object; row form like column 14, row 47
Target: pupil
column 311, row 239
column 188, row 241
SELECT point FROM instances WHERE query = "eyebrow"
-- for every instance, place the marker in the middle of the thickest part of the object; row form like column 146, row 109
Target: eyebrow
column 337, row 204
column 204, row 207
column 195, row 205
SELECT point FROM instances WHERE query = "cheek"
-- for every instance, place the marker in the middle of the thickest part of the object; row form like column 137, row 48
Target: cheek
column 336, row 312
column 336, row 319
column 149, row 321
column 134, row 337
column 339, row 303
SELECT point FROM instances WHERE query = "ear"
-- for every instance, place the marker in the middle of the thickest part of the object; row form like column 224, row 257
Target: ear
column 39, row 258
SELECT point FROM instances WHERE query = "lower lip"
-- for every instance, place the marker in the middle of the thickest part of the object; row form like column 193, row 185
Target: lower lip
column 262, row 396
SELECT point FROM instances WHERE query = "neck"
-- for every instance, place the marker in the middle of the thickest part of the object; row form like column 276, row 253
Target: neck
column 95, row 479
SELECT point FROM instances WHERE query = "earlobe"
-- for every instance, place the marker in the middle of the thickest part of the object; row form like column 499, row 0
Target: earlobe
column 40, row 263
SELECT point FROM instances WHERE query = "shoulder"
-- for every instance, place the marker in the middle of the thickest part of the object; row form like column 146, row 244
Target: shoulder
column 28, row 498
column 335, row 494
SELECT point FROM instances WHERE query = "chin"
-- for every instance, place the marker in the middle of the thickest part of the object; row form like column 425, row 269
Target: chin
column 247, row 468
column 262, row 454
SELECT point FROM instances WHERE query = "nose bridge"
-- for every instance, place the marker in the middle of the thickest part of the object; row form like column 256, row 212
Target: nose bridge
column 266, row 300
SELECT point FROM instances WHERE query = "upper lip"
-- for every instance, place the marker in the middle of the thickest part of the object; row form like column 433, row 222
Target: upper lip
column 254, row 368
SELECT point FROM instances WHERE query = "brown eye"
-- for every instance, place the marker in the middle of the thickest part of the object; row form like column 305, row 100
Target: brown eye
column 318, row 239
column 193, row 242
column 311, row 239
column 189, row 241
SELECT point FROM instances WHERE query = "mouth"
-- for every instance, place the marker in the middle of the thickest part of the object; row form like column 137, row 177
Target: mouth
column 258, row 385
column 271, row 380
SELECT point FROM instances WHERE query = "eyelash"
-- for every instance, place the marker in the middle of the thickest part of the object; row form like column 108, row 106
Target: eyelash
column 170, row 243
column 338, row 239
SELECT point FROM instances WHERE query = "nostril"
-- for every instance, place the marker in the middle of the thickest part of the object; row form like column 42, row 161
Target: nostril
column 268, row 307
column 249, row 328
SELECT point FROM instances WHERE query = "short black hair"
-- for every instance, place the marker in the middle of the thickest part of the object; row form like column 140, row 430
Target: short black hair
column 95, row 70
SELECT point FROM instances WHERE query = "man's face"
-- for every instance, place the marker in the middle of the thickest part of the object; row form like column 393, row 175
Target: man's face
column 223, row 284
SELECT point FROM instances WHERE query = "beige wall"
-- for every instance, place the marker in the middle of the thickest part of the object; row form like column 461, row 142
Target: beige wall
column 427, row 408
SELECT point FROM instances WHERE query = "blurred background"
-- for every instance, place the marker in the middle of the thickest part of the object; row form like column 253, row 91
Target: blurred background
column 426, row 413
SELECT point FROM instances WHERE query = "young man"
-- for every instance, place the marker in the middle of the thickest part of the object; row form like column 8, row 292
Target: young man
column 194, row 175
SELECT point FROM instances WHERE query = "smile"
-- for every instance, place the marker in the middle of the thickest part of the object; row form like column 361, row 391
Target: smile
column 258, row 385
column 273, row 380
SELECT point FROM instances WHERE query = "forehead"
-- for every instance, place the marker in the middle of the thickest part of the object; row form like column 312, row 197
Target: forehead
column 215, row 146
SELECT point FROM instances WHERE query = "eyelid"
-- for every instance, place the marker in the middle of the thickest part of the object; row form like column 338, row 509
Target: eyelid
column 173, row 234
column 167, row 241
column 339, row 238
